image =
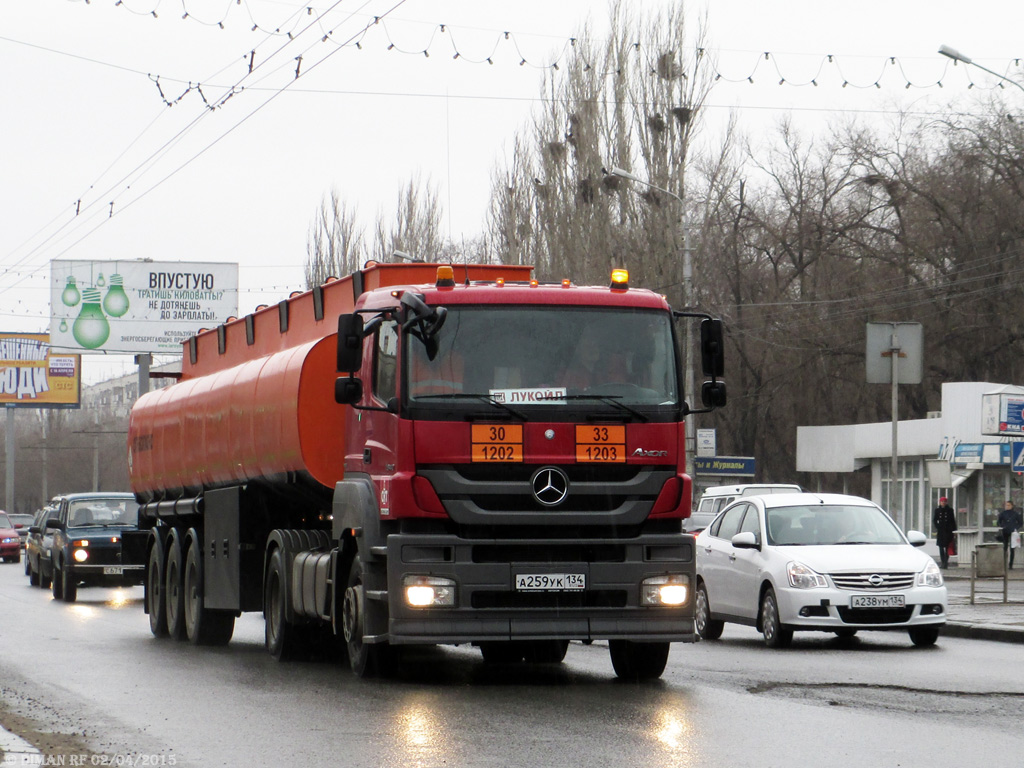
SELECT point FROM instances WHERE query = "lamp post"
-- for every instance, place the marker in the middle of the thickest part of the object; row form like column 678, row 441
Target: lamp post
column 955, row 55
column 687, row 299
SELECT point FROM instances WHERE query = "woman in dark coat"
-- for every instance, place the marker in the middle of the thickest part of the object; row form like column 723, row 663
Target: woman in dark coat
column 944, row 521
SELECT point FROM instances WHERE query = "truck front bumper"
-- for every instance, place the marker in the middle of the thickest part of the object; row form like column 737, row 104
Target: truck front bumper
column 511, row 590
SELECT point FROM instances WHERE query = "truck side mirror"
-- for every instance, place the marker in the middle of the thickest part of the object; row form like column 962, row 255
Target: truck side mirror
column 348, row 391
column 712, row 394
column 350, row 342
column 712, row 347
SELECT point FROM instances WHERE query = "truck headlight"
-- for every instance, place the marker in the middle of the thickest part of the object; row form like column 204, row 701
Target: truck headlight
column 81, row 555
column 428, row 591
column 670, row 589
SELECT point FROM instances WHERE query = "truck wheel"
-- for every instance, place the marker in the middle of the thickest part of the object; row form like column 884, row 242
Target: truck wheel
column 174, row 592
column 68, row 584
column 366, row 659
column 545, row 651
column 279, row 636
column 57, row 584
column 154, row 591
column 202, row 626
column 638, row 661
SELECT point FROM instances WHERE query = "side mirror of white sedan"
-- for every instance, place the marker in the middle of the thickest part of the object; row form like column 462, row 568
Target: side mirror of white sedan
column 916, row 538
column 745, row 540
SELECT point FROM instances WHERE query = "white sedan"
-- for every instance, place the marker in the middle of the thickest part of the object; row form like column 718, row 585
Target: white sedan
column 809, row 561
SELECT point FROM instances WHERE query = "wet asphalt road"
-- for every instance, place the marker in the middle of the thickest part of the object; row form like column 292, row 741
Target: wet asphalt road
column 94, row 668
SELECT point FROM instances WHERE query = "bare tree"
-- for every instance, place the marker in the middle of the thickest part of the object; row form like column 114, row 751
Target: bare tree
column 416, row 230
column 334, row 245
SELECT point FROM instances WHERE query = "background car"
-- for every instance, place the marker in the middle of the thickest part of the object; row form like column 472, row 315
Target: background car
column 810, row 561
column 37, row 549
column 86, row 549
column 10, row 541
column 717, row 497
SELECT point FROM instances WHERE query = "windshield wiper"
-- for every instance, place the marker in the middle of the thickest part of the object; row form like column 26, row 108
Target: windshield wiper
column 490, row 400
column 608, row 399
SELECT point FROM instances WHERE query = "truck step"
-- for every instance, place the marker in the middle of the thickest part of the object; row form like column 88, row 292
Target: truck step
column 381, row 551
column 381, row 595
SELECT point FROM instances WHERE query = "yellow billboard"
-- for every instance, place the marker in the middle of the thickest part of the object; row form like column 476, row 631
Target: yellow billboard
column 33, row 376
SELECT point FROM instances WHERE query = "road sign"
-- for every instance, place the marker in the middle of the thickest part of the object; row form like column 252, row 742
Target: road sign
column 1017, row 454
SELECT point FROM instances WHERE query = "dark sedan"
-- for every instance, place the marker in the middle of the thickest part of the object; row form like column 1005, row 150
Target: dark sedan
column 86, row 550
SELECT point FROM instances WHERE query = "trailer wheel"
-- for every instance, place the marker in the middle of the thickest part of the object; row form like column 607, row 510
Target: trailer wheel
column 366, row 659
column 638, row 661
column 154, row 591
column 174, row 592
column 202, row 626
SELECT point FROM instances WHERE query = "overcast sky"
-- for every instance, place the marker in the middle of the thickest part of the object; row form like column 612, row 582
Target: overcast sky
column 95, row 165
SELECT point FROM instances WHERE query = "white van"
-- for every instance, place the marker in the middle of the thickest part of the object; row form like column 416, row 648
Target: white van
column 714, row 499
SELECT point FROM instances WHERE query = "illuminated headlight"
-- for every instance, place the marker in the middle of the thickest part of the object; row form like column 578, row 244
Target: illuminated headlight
column 81, row 555
column 802, row 577
column 8, row 540
column 931, row 576
column 671, row 589
column 428, row 592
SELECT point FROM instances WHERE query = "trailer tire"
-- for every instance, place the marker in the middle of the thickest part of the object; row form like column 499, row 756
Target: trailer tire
column 202, row 626
column 174, row 590
column 154, row 589
column 638, row 661
column 366, row 659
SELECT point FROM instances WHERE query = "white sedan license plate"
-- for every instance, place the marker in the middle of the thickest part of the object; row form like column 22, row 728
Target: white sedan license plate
column 878, row 601
column 550, row 582
column 113, row 570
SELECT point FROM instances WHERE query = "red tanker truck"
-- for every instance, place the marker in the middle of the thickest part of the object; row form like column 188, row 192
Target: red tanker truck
column 427, row 454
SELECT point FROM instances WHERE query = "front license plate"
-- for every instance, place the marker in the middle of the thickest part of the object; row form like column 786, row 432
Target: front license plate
column 878, row 601
column 113, row 570
column 550, row 582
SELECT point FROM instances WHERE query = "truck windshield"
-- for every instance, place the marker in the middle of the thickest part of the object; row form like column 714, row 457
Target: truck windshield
column 553, row 358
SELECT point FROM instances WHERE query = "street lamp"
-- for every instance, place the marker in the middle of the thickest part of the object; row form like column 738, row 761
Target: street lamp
column 955, row 55
column 687, row 299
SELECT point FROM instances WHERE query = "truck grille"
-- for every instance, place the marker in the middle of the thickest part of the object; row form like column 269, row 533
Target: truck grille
column 872, row 582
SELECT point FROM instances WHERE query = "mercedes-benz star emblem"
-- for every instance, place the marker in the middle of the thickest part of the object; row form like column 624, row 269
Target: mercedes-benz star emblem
column 550, row 486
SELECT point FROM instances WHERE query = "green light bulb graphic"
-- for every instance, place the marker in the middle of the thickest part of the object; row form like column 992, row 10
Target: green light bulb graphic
column 100, row 282
column 115, row 303
column 71, row 295
column 91, row 328
column 63, row 325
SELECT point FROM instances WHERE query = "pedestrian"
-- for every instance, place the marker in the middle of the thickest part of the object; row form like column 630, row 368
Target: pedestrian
column 944, row 522
column 1009, row 520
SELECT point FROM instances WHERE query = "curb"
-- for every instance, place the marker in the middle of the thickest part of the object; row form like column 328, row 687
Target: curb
column 982, row 632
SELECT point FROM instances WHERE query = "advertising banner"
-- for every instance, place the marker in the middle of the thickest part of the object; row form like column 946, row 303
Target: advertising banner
column 1002, row 414
column 137, row 306
column 728, row 466
column 34, row 376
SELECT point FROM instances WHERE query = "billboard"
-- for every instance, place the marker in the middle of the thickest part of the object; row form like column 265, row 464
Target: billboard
column 137, row 306
column 32, row 375
column 1002, row 413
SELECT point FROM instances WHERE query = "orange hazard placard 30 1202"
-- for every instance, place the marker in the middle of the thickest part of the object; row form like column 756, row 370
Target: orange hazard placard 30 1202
column 601, row 444
column 498, row 442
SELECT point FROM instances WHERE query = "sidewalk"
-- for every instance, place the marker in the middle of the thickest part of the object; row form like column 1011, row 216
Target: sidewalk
column 989, row 618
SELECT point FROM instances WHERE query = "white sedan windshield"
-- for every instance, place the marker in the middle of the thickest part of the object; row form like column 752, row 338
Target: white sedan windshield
column 830, row 524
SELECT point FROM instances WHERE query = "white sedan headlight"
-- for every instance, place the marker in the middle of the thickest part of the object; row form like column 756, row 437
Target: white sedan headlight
column 931, row 576
column 802, row 577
